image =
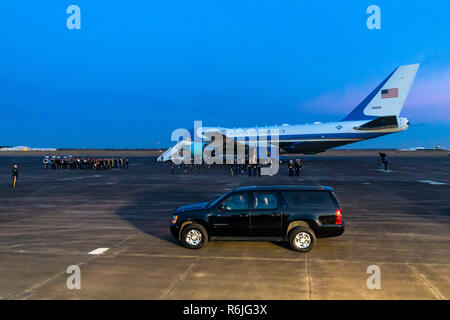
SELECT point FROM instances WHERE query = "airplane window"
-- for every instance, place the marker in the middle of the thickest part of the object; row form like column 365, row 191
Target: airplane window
column 265, row 201
column 236, row 202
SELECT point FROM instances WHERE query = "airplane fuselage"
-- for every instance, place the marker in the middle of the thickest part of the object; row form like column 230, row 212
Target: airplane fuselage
column 312, row 138
column 377, row 115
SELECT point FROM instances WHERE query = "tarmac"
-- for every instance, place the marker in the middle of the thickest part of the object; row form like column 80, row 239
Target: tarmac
column 397, row 220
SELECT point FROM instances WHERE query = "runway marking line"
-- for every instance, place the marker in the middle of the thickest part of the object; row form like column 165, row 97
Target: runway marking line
column 433, row 182
column 98, row 251
column 382, row 170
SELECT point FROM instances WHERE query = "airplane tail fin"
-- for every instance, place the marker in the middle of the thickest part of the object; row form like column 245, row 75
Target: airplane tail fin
column 388, row 98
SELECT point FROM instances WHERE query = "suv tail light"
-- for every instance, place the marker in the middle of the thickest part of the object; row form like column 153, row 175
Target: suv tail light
column 338, row 217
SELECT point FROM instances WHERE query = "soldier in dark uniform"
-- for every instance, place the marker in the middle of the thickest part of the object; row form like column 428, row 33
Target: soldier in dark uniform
column 15, row 175
column 383, row 160
column 126, row 163
column 291, row 167
column 249, row 170
column 298, row 166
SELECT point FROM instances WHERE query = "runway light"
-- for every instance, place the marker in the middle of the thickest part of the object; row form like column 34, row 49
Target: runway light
column 338, row 217
column 174, row 219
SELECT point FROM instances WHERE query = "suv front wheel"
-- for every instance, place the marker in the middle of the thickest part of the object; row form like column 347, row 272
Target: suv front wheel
column 194, row 236
column 302, row 239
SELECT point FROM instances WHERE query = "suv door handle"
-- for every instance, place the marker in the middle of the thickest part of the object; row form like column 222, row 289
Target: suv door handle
column 243, row 215
column 275, row 214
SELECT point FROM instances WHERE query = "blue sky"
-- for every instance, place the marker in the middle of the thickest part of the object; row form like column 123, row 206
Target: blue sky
column 139, row 69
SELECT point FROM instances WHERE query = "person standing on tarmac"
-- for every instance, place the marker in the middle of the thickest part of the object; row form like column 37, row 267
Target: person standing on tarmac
column 291, row 168
column 46, row 162
column 383, row 160
column 15, row 175
column 298, row 166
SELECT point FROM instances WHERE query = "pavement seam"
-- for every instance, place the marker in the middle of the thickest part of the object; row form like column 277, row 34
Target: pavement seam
column 180, row 278
column 217, row 257
column 249, row 269
column 423, row 278
column 28, row 292
column 309, row 276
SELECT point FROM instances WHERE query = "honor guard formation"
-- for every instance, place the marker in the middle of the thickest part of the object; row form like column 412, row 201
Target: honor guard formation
column 94, row 164
column 237, row 169
column 246, row 169
column 187, row 166
column 295, row 167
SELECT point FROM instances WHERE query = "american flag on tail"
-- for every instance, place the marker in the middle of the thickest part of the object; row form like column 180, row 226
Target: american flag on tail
column 389, row 93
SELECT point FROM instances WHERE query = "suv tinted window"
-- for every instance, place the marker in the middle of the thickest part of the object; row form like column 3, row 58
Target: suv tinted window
column 265, row 201
column 236, row 202
column 311, row 200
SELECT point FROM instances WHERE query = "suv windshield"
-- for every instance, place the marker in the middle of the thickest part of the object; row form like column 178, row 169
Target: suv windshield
column 215, row 202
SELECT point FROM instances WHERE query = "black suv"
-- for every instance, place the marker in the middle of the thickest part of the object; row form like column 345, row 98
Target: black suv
column 276, row 213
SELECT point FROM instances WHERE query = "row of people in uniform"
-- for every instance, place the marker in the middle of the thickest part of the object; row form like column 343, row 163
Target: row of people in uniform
column 235, row 169
column 249, row 169
column 95, row 164
column 294, row 167
column 188, row 167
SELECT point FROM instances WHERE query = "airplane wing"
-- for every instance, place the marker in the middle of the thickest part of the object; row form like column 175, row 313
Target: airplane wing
column 238, row 144
column 209, row 134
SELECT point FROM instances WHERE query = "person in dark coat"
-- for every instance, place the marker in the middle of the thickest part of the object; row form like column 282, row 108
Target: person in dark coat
column 15, row 175
column 291, row 167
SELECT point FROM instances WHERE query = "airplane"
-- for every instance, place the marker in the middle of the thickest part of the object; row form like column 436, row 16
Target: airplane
column 377, row 115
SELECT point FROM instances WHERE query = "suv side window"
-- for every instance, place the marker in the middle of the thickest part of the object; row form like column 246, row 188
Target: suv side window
column 236, row 202
column 265, row 200
column 311, row 200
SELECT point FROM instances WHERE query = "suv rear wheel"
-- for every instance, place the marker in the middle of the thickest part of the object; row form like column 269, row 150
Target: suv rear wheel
column 302, row 239
column 194, row 236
